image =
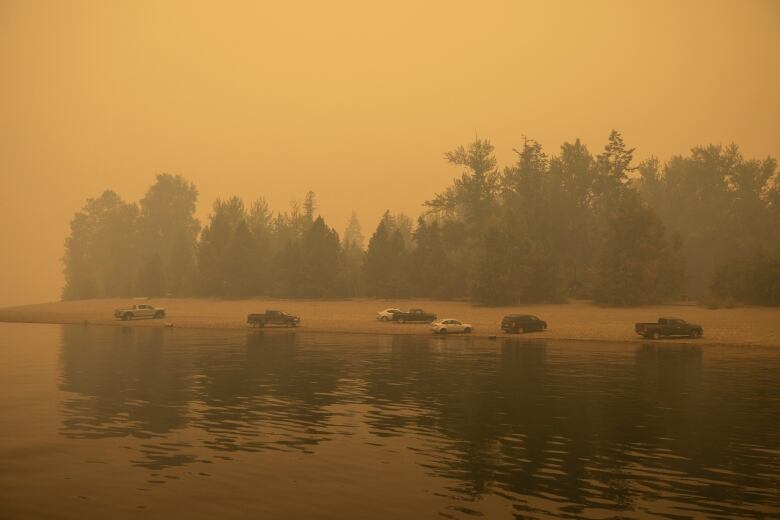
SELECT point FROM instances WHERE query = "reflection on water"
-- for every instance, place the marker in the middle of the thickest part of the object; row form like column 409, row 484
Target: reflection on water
column 466, row 426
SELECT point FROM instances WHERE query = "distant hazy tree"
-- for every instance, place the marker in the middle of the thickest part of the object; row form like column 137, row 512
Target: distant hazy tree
column 719, row 203
column 286, row 267
column 472, row 197
column 100, row 253
column 572, row 178
column 239, row 262
column 385, row 266
column 429, row 263
column 260, row 222
column 503, row 267
column 181, row 281
column 353, row 234
column 309, row 206
column 635, row 258
column 214, row 247
column 352, row 258
column 167, row 225
column 613, row 165
column 353, row 244
column 151, row 276
column 750, row 277
column 401, row 223
column 531, row 197
column 320, row 265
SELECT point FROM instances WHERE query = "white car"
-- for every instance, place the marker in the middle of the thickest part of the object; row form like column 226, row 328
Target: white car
column 387, row 314
column 449, row 325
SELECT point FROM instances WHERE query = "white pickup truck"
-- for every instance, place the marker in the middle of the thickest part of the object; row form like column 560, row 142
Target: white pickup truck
column 141, row 310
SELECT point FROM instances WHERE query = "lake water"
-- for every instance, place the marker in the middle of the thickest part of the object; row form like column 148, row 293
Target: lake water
column 131, row 422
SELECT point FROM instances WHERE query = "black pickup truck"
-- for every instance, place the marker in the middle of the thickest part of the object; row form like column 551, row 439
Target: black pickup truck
column 414, row 315
column 273, row 318
column 668, row 327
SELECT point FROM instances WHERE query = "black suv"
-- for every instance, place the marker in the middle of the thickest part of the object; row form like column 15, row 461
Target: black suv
column 519, row 323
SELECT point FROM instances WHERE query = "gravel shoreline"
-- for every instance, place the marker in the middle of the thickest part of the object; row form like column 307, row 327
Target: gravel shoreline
column 581, row 321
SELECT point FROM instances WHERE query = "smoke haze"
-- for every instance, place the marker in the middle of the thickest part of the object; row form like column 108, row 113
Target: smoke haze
column 353, row 101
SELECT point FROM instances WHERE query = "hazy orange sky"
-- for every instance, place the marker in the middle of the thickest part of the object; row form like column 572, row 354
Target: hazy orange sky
column 356, row 101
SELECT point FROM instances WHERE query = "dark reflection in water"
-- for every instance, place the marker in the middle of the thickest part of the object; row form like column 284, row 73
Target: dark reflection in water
column 567, row 430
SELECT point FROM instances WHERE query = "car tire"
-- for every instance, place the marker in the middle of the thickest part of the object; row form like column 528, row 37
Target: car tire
column 125, row 316
column 158, row 315
column 520, row 330
column 383, row 318
column 655, row 335
column 402, row 320
column 443, row 331
column 467, row 330
column 695, row 333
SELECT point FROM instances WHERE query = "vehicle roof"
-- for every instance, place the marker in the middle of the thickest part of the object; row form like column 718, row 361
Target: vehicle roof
column 519, row 316
column 670, row 318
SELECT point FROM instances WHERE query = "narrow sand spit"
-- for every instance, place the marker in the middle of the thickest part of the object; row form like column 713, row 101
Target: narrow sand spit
column 575, row 321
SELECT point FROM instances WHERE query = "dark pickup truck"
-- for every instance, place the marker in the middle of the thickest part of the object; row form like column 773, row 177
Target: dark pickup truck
column 273, row 318
column 668, row 327
column 414, row 315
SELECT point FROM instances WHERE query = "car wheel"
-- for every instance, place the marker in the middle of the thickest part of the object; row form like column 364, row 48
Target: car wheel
column 467, row 330
column 402, row 320
column 158, row 315
column 443, row 331
column 695, row 333
column 520, row 330
column 383, row 318
column 655, row 335
column 126, row 316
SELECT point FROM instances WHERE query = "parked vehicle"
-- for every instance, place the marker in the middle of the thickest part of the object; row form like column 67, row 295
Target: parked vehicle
column 270, row 317
column 449, row 325
column 141, row 310
column 414, row 315
column 520, row 323
column 387, row 314
column 668, row 327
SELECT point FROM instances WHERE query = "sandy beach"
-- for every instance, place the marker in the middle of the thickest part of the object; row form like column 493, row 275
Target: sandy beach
column 571, row 321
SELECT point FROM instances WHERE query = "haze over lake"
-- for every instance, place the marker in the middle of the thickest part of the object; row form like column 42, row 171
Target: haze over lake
column 107, row 421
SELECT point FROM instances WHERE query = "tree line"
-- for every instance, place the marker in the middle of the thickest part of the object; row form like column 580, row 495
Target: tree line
column 545, row 228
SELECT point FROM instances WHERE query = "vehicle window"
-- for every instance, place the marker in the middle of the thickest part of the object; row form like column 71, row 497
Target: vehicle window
column 455, row 322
